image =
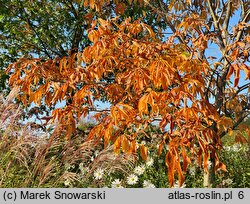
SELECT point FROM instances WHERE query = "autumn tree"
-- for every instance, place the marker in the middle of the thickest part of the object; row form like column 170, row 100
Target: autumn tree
column 153, row 74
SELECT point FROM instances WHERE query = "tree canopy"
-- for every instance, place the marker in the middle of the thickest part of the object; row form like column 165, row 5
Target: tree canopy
column 49, row 29
column 151, row 70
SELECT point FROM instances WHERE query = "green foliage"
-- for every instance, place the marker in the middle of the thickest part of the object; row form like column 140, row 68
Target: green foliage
column 236, row 157
column 3, row 78
column 247, row 121
column 52, row 28
column 43, row 29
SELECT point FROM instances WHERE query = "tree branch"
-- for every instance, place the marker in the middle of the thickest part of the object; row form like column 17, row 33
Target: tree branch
column 228, row 12
column 34, row 30
column 171, row 26
column 236, row 124
column 71, row 7
column 242, row 88
column 99, row 111
column 239, row 34
column 215, row 21
column 216, row 26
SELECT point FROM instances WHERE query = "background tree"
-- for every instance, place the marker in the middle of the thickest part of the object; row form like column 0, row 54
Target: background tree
column 196, row 96
column 48, row 29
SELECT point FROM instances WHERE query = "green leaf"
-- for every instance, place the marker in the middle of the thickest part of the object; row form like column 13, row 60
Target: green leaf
column 1, row 18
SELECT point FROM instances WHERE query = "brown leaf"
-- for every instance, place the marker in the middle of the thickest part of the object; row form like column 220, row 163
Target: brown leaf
column 125, row 144
column 230, row 72
column 161, row 147
column 186, row 159
column 120, row 8
column 221, row 166
column 143, row 152
column 170, row 163
column 117, row 145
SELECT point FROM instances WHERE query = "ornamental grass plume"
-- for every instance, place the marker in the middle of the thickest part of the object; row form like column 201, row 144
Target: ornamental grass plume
column 41, row 161
column 10, row 113
column 111, row 162
column 30, row 160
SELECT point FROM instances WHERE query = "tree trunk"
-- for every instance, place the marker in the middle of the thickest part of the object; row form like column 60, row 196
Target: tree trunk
column 209, row 177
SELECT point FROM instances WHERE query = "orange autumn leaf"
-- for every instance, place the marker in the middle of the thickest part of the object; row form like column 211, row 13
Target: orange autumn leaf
column 170, row 161
column 143, row 152
column 117, row 145
column 125, row 144
column 120, row 8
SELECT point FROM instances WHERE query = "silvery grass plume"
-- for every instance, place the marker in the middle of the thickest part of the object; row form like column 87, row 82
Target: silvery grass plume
column 49, row 160
column 10, row 113
column 111, row 162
